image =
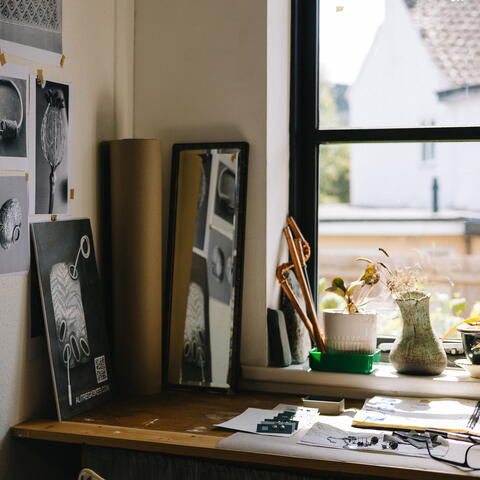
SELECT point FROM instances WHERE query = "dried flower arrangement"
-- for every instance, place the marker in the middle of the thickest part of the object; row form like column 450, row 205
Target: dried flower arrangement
column 398, row 281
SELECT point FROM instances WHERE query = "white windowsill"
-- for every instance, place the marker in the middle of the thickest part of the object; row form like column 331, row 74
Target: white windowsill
column 384, row 380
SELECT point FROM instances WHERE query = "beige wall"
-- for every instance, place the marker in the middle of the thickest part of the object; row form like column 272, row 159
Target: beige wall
column 201, row 76
column 89, row 45
column 459, row 244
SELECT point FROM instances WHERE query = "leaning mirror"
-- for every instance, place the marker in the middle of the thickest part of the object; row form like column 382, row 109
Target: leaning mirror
column 205, row 262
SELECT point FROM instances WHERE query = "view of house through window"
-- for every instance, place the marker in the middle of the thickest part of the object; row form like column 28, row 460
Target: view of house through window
column 401, row 63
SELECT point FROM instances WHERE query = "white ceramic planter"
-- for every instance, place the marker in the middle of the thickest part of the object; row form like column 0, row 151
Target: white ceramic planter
column 350, row 332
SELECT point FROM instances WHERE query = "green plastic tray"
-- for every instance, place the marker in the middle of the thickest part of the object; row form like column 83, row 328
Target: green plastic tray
column 343, row 362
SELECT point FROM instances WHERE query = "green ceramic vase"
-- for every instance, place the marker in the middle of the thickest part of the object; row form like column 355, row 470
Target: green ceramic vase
column 417, row 351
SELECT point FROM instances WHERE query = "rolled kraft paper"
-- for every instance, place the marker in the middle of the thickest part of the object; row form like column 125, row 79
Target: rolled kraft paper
column 136, row 217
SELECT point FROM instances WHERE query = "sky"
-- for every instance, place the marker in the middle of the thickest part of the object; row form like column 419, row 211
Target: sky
column 347, row 29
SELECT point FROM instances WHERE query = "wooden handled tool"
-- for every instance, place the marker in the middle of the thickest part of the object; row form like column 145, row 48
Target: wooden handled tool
column 297, row 265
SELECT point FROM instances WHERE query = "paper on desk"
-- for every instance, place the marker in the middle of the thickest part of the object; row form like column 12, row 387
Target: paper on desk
column 248, row 420
column 416, row 413
column 325, row 435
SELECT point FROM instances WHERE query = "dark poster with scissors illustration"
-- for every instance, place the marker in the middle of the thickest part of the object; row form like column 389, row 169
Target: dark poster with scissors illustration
column 73, row 314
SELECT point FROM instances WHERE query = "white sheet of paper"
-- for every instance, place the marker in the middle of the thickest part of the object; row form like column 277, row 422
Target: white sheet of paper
column 248, row 420
column 402, row 412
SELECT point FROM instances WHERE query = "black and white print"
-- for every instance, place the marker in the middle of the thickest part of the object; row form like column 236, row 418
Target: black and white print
column 220, row 266
column 14, row 117
column 32, row 29
column 73, row 314
column 51, row 148
column 14, row 242
column 225, row 193
column 196, row 363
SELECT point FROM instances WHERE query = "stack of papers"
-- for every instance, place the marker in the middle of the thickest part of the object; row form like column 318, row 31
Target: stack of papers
column 250, row 418
column 455, row 415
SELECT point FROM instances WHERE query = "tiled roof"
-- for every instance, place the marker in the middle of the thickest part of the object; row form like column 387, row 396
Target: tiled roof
column 451, row 30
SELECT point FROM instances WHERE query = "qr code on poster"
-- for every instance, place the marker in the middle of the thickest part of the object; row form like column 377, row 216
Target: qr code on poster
column 101, row 369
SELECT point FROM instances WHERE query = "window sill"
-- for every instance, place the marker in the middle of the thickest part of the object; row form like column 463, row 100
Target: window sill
column 384, row 380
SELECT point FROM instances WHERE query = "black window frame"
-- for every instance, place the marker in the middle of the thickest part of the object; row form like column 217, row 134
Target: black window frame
column 306, row 137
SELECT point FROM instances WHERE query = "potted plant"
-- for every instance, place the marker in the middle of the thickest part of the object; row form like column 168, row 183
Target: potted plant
column 354, row 328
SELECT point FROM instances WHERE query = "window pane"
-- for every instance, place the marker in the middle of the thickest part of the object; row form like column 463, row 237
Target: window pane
column 420, row 202
column 403, row 63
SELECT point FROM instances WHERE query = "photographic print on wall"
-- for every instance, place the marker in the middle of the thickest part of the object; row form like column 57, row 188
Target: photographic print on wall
column 14, row 120
column 52, row 135
column 32, row 29
column 205, row 263
column 14, row 240
column 73, row 313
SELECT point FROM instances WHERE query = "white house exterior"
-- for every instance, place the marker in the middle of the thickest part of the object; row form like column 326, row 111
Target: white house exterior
column 422, row 69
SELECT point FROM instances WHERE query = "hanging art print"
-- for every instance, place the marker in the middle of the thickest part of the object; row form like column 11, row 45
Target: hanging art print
column 52, row 108
column 32, row 29
column 14, row 242
column 73, row 315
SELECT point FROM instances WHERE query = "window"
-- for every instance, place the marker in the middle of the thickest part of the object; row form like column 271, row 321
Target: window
column 384, row 149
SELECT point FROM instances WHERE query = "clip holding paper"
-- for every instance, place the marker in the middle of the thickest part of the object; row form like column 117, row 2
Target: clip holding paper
column 72, row 194
column 53, row 218
column 27, row 176
column 3, row 60
column 40, row 78
column 62, row 60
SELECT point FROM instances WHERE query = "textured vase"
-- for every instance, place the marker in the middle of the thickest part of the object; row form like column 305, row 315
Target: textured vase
column 417, row 351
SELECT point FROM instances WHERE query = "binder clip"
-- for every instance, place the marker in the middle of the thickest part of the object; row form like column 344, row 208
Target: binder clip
column 40, row 78
column 266, row 426
column 3, row 60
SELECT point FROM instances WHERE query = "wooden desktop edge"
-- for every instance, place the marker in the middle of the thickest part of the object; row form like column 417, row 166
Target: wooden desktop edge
column 202, row 446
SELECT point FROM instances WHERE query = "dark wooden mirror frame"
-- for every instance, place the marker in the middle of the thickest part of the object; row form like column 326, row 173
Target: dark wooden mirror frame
column 242, row 174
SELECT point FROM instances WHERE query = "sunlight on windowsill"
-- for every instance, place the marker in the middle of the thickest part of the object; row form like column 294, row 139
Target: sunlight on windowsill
column 384, row 379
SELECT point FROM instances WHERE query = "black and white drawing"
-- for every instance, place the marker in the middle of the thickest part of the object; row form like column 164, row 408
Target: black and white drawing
column 220, row 266
column 68, row 311
column 225, row 193
column 32, row 29
column 202, row 206
column 51, row 148
column 14, row 243
column 401, row 443
column 196, row 362
column 13, row 118
column 73, row 314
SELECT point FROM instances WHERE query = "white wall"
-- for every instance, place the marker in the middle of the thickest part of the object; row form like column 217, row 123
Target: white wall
column 396, row 87
column 89, row 45
column 201, row 76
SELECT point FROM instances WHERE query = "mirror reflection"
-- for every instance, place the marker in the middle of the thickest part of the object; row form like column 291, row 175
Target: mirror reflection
column 208, row 237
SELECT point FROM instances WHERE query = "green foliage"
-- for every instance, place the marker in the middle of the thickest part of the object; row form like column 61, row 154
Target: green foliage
column 334, row 159
column 335, row 174
column 332, row 301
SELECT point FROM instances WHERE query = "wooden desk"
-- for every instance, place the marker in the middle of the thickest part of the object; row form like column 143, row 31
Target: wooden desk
column 181, row 423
